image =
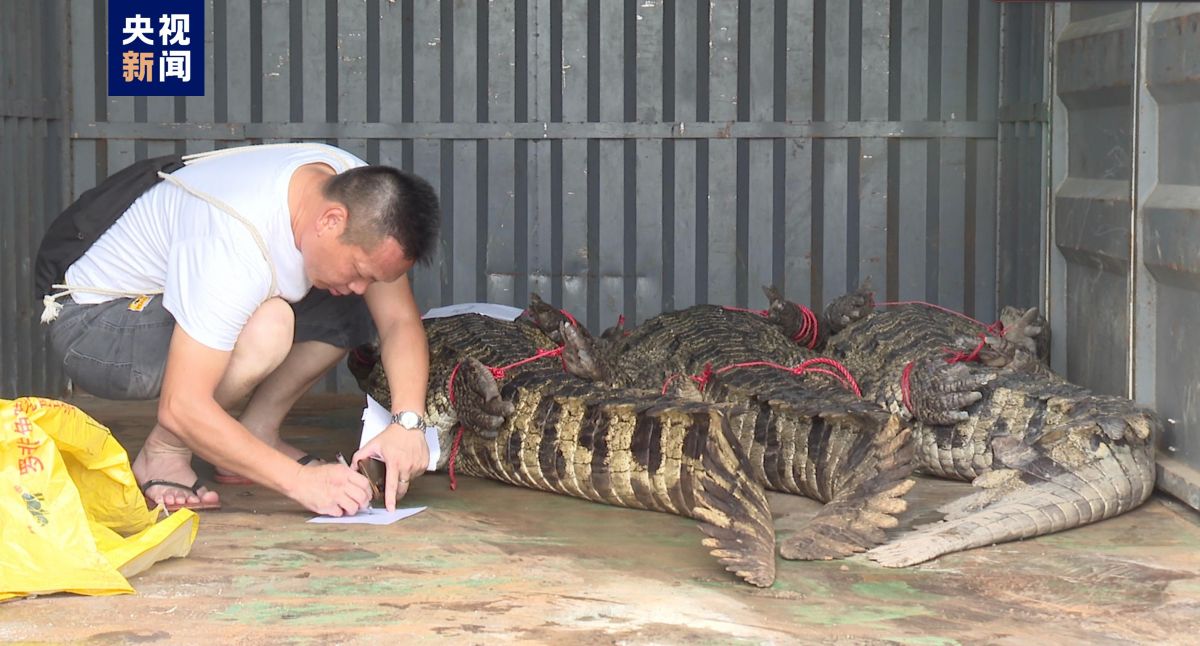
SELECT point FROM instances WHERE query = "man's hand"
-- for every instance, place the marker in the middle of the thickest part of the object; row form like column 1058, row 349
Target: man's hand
column 405, row 454
column 331, row 489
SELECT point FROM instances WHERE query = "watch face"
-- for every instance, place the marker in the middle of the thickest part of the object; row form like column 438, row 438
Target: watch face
column 409, row 419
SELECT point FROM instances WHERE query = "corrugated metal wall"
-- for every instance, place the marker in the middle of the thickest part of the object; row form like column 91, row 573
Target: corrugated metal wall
column 33, row 171
column 1125, row 277
column 1024, row 113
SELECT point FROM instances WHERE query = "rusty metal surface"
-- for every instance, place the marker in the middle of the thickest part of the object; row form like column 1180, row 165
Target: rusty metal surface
column 492, row 563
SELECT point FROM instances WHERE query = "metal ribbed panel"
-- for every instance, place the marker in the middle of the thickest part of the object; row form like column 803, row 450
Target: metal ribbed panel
column 1166, row 293
column 1019, row 190
column 33, row 182
column 1124, row 279
column 1094, row 71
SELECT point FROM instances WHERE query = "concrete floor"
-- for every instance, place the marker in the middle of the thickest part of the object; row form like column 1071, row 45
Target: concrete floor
column 492, row 563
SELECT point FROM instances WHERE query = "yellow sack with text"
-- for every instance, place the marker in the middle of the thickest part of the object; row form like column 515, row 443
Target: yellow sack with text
column 72, row 518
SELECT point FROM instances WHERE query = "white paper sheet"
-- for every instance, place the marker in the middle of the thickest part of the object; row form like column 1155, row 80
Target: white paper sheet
column 496, row 311
column 369, row 516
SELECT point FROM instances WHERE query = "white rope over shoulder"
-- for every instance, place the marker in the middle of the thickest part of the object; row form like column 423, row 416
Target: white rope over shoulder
column 50, row 305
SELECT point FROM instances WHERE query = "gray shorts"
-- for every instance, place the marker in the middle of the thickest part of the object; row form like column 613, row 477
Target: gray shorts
column 115, row 353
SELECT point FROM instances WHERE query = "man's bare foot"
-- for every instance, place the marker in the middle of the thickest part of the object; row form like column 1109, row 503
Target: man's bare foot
column 170, row 464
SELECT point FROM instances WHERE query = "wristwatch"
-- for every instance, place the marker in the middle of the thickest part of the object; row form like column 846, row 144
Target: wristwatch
column 409, row 419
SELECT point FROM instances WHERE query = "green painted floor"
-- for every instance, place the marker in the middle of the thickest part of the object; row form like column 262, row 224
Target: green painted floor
column 490, row 563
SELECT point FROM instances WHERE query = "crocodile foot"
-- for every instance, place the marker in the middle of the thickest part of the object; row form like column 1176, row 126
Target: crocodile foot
column 1028, row 329
column 848, row 308
column 1017, row 350
column 941, row 391
column 477, row 399
column 1000, row 352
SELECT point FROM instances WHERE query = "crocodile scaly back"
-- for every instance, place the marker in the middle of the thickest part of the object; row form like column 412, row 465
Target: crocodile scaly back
column 803, row 433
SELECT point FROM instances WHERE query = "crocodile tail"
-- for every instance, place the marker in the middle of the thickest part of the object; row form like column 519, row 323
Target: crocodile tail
column 732, row 508
column 1036, row 498
column 866, row 495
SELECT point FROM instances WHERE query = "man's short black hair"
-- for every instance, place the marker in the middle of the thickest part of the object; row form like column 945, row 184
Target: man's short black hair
column 386, row 201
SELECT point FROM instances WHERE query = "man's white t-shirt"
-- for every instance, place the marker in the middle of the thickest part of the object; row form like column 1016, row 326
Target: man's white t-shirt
column 206, row 262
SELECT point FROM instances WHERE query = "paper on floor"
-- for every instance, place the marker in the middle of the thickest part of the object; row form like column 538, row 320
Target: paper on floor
column 369, row 516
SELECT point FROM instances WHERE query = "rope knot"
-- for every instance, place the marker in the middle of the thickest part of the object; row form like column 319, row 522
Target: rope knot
column 50, row 308
column 973, row 355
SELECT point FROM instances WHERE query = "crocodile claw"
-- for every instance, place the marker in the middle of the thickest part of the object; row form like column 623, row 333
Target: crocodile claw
column 941, row 391
column 1028, row 329
column 1007, row 353
column 848, row 308
column 477, row 399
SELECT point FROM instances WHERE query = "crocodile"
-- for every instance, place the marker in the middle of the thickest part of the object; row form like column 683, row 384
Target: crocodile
column 803, row 432
column 1044, row 454
column 533, row 425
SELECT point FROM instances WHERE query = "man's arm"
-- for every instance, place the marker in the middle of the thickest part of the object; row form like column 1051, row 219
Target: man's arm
column 405, row 355
column 188, row 408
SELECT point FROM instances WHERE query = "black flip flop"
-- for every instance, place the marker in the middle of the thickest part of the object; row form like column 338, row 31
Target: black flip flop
column 195, row 489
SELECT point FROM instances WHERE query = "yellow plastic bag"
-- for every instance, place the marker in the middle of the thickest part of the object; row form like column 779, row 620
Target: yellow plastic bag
column 72, row 518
